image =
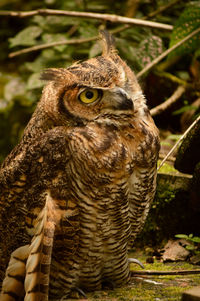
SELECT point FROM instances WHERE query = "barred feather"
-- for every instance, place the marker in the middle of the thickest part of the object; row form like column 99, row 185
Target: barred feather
column 13, row 284
column 40, row 249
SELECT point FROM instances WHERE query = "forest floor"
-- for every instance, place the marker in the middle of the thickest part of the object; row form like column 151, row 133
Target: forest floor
column 151, row 288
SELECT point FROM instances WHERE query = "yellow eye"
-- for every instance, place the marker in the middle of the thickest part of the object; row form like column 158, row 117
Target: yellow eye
column 89, row 95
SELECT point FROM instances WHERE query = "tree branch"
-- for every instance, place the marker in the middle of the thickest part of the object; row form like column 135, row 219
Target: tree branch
column 176, row 272
column 53, row 44
column 88, row 15
column 169, row 159
column 64, row 42
column 165, row 53
column 79, row 41
column 166, row 104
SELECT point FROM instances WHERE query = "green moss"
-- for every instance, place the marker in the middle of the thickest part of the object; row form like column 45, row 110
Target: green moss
column 164, row 194
column 169, row 214
column 151, row 288
column 167, row 168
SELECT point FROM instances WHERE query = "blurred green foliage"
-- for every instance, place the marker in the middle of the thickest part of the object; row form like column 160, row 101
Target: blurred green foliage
column 188, row 21
column 20, row 84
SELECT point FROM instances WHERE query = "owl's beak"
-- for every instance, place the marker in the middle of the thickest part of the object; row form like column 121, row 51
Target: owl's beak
column 124, row 101
column 126, row 104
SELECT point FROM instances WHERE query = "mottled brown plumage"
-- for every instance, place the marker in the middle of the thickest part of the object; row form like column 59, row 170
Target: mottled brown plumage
column 76, row 190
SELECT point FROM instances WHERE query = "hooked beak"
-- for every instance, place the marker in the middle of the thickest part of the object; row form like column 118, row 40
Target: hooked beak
column 124, row 102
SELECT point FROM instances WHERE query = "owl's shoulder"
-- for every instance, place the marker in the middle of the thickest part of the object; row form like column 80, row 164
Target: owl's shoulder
column 33, row 155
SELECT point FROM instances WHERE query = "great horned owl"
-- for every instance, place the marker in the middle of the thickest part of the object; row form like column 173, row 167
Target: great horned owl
column 76, row 190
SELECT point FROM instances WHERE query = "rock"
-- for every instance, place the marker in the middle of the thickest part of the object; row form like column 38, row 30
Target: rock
column 174, row 251
column 192, row 294
column 188, row 153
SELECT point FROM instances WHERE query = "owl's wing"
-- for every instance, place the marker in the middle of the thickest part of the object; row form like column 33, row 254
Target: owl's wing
column 141, row 193
column 37, row 173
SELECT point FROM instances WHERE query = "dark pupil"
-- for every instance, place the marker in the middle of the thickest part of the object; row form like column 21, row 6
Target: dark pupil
column 89, row 94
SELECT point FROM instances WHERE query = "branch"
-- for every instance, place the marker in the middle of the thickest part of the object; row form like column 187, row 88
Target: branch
column 162, row 8
column 166, row 104
column 169, row 159
column 165, row 53
column 88, row 15
column 114, row 31
column 64, row 42
column 176, row 272
column 48, row 45
column 179, row 141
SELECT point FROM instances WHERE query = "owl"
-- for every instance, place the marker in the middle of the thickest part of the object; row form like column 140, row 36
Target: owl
column 76, row 190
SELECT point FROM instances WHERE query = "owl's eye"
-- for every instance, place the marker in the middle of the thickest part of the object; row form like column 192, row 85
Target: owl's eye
column 89, row 95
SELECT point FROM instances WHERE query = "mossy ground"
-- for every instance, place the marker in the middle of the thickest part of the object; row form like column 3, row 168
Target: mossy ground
column 151, row 288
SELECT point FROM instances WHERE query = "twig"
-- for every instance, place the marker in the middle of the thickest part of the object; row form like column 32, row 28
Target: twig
column 88, row 15
column 162, row 8
column 48, row 45
column 145, row 280
column 170, row 159
column 176, row 272
column 64, row 42
column 79, row 41
column 166, row 104
column 149, row 16
column 165, row 53
column 179, row 141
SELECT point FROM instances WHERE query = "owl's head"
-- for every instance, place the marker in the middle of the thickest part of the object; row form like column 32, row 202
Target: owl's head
column 102, row 89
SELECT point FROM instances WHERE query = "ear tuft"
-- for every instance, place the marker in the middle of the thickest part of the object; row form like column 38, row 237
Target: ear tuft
column 53, row 74
column 108, row 42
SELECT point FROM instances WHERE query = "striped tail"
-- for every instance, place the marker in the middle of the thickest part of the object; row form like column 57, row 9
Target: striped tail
column 40, row 249
column 13, row 284
column 27, row 275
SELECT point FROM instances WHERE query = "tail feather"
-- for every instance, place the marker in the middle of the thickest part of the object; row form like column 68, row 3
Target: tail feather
column 13, row 284
column 40, row 249
column 28, row 271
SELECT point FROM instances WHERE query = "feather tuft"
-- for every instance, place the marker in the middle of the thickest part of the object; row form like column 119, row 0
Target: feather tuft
column 108, row 42
column 53, row 74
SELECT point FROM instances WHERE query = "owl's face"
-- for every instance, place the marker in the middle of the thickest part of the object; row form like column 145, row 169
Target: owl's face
column 82, row 103
column 100, row 88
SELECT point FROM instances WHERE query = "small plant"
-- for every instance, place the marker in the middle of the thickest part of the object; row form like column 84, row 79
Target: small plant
column 194, row 245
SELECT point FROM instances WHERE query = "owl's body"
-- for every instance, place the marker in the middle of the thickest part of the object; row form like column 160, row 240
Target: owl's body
column 77, row 189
